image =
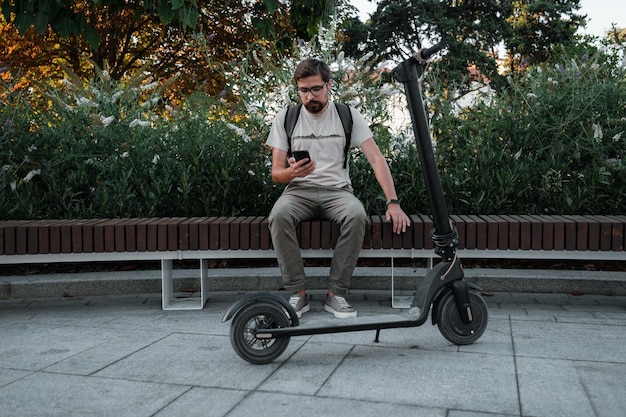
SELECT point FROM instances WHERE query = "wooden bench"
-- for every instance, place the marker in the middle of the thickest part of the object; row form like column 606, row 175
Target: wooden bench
column 205, row 238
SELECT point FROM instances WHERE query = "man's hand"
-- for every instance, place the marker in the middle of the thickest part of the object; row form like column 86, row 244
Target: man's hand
column 400, row 220
column 301, row 168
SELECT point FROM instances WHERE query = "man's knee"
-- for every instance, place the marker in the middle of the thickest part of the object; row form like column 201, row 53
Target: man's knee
column 355, row 213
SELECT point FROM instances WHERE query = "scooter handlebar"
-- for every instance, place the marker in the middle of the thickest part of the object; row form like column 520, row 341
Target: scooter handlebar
column 424, row 54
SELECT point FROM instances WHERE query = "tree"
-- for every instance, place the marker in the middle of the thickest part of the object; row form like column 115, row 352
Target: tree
column 64, row 18
column 354, row 34
column 474, row 30
column 538, row 26
column 131, row 37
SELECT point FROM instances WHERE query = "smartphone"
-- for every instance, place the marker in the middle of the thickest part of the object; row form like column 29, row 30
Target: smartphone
column 299, row 155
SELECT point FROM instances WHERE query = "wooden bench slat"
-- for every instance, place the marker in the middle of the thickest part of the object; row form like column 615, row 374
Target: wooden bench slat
column 377, row 232
column 525, row 232
column 255, row 232
column 265, row 241
column 491, row 224
column 325, row 235
column 387, row 233
column 427, row 242
column 619, row 230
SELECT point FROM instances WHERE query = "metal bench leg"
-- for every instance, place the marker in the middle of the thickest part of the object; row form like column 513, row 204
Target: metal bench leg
column 167, row 283
column 204, row 281
column 167, row 288
column 398, row 301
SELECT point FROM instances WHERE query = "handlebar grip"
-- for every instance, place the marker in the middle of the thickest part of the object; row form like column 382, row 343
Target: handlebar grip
column 424, row 54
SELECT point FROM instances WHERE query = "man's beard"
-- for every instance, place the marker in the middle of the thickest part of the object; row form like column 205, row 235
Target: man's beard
column 315, row 106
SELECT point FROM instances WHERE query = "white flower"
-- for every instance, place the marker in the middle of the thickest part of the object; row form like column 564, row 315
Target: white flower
column 107, row 120
column 240, row 132
column 149, row 103
column 124, row 155
column 532, row 96
column 32, row 148
column 156, row 159
column 365, row 57
column 13, row 185
column 597, row 131
column 89, row 161
column 138, row 122
column 150, row 86
column 6, row 168
column 31, row 174
column 617, row 137
column 116, row 96
column 84, row 101
column 518, row 154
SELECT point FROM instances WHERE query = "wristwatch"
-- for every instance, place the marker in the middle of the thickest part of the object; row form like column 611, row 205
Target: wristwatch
column 392, row 201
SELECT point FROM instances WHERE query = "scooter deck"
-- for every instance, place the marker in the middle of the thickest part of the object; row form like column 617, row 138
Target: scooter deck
column 411, row 318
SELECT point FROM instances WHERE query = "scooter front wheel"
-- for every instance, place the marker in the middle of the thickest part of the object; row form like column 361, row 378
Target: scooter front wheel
column 249, row 320
column 451, row 324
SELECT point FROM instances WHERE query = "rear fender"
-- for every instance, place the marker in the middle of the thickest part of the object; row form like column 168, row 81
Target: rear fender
column 253, row 298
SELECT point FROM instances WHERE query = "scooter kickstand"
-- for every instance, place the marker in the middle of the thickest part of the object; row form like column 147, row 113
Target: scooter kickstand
column 376, row 339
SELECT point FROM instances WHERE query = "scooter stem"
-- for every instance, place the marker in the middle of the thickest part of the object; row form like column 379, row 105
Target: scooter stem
column 443, row 234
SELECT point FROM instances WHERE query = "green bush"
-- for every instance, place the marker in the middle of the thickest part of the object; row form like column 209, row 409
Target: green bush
column 552, row 142
column 118, row 151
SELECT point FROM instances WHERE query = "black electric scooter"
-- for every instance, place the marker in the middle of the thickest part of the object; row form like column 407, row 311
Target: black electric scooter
column 264, row 322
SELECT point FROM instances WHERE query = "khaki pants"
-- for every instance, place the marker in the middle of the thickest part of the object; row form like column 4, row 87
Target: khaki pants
column 302, row 203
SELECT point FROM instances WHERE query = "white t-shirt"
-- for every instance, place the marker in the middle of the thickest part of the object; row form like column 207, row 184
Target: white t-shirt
column 323, row 136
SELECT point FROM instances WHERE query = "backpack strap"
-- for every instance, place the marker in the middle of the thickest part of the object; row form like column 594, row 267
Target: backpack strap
column 293, row 113
column 346, row 120
column 291, row 118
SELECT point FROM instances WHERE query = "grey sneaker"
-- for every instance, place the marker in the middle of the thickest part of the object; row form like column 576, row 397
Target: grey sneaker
column 339, row 307
column 299, row 303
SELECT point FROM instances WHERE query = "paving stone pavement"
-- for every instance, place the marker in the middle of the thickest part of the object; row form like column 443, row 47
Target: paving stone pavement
column 543, row 355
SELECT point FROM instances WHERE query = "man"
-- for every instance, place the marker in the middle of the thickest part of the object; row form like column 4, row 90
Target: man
column 321, row 187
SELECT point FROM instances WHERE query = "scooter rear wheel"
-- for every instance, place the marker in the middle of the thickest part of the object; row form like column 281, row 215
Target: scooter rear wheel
column 250, row 319
column 451, row 325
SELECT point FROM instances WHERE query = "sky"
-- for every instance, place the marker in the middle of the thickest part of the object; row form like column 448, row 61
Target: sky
column 600, row 13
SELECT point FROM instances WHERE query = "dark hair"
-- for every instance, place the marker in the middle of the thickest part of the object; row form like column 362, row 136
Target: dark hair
column 311, row 67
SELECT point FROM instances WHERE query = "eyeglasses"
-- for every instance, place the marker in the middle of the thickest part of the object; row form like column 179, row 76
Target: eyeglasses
column 316, row 90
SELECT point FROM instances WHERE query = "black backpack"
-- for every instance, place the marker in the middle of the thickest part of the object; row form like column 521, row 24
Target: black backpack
column 291, row 118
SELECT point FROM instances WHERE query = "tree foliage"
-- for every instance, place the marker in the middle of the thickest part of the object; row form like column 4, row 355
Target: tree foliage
column 538, row 27
column 66, row 18
column 474, row 30
column 133, row 34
